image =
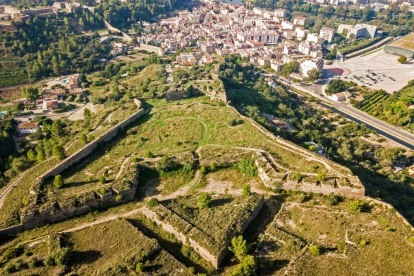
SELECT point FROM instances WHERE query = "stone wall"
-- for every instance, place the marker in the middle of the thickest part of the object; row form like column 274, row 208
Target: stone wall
column 32, row 217
column 153, row 49
column 215, row 259
column 87, row 149
column 308, row 183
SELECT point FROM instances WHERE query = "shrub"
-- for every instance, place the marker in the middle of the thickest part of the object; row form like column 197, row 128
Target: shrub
column 301, row 197
column 152, row 202
column 58, row 182
column 188, row 168
column 12, row 252
column 102, row 179
column 165, row 164
column 88, row 179
column 321, row 176
column 247, row 166
column 333, row 199
column 213, row 166
column 58, row 257
column 247, row 191
column 270, row 264
column 411, row 239
column 315, row 250
column 204, row 200
column 149, row 154
column 139, row 267
column 191, row 270
column 356, row 206
column 102, row 191
column 83, row 139
column 33, row 262
column 118, row 198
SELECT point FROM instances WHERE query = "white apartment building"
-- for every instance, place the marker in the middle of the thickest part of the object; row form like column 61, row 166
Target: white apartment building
column 263, row 36
column 308, row 65
column 327, row 34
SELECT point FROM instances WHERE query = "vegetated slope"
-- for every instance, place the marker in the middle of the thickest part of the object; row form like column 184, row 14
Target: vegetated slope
column 371, row 242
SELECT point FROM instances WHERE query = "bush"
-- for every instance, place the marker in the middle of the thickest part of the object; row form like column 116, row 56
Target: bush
column 247, row 166
column 102, row 179
column 152, row 202
column 356, row 206
column 149, row 154
column 411, row 239
column 58, row 182
column 270, row 264
column 247, row 191
column 139, row 267
column 12, row 252
column 191, row 270
column 204, row 200
column 315, row 250
column 333, row 199
column 58, row 257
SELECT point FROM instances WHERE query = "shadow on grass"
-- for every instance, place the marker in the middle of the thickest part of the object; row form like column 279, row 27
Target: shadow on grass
column 84, row 257
column 173, row 248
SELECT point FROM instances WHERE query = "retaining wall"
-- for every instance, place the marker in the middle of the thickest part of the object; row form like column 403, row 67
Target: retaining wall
column 215, row 259
column 32, row 219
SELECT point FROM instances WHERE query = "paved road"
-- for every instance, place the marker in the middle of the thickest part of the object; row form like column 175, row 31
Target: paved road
column 396, row 134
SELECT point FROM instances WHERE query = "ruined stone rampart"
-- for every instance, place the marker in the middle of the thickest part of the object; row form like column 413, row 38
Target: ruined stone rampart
column 197, row 239
column 35, row 215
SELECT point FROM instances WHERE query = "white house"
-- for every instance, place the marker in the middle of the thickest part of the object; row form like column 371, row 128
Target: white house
column 28, row 128
column 343, row 96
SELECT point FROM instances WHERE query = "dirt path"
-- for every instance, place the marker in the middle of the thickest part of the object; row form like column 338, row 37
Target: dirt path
column 122, row 168
column 102, row 220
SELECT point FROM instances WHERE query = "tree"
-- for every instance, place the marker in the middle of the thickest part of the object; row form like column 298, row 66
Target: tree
column 315, row 250
column 40, row 156
column 57, row 129
column 239, row 248
column 204, row 200
column 247, row 268
column 314, row 74
column 212, row 166
column 86, row 117
column 247, row 191
column 402, row 59
column 102, row 179
column 31, row 155
column 31, row 93
column 59, row 152
column 58, row 182
column 84, row 139
column 321, row 176
column 288, row 69
column 139, row 267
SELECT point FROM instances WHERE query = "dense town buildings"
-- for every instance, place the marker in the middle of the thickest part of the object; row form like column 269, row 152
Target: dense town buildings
column 264, row 37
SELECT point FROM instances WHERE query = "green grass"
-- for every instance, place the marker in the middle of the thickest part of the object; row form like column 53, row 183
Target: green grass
column 108, row 246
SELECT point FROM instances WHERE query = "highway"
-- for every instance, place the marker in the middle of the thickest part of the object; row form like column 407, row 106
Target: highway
column 398, row 135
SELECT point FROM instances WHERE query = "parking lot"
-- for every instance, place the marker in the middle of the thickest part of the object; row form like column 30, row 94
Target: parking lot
column 378, row 70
